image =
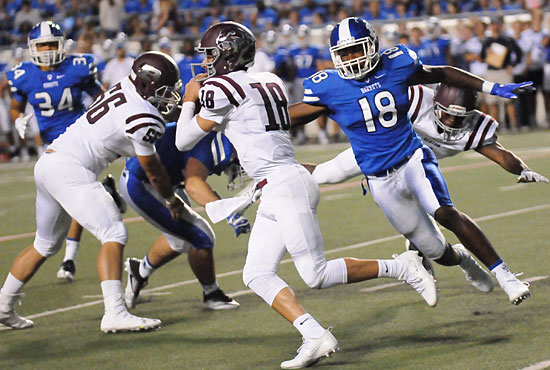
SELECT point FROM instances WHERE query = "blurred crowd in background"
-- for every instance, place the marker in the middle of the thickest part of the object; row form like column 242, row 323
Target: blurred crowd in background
column 503, row 41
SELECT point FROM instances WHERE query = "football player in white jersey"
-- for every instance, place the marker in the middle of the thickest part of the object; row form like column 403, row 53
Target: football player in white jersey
column 447, row 121
column 124, row 121
column 251, row 108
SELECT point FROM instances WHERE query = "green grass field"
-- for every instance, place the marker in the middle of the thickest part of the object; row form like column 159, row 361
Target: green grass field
column 386, row 328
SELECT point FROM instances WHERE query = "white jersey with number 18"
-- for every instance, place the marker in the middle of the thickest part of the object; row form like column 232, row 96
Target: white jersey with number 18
column 120, row 123
column 252, row 110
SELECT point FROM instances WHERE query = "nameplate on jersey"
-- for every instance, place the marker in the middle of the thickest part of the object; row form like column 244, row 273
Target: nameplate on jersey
column 374, row 86
column 47, row 85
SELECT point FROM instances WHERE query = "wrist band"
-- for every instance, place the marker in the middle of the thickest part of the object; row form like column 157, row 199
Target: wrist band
column 487, row 87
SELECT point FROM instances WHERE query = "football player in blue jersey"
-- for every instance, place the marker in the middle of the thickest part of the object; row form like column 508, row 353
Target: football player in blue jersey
column 367, row 94
column 53, row 83
column 191, row 233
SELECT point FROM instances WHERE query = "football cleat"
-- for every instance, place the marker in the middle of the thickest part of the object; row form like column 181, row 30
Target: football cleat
column 417, row 276
column 425, row 260
column 117, row 319
column 67, row 271
column 109, row 185
column 217, row 300
column 8, row 316
column 135, row 282
column 475, row 274
column 312, row 351
column 516, row 290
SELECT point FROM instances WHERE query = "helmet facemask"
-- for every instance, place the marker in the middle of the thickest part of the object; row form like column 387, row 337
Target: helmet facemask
column 355, row 68
column 166, row 98
column 47, row 58
column 452, row 120
column 212, row 54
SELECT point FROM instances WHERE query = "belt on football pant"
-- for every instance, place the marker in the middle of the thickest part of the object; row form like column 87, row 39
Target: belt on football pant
column 261, row 184
column 393, row 168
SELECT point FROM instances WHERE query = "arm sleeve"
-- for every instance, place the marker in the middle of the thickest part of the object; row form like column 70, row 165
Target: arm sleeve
column 188, row 131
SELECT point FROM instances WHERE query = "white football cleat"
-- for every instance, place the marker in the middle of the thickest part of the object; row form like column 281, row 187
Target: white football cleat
column 475, row 274
column 417, row 276
column 8, row 316
column 135, row 282
column 516, row 290
column 218, row 300
column 118, row 319
column 425, row 260
column 312, row 351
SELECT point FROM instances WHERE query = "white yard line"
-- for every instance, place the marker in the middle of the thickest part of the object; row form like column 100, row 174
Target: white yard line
column 538, row 366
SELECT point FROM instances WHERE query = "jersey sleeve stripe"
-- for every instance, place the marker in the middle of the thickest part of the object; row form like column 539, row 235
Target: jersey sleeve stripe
column 141, row 125
column 310, row 99
column 308, row 91
column 483, row 135
column 235, row 85
column 225, row 91
column 418, row 104
column 474, row 133
column 143, row 115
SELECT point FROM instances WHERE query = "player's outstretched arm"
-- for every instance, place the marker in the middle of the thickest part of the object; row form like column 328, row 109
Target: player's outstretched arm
column 158, row 177
column 302, row 113
column 459, row 78
column 510, row 162
column 196, row 186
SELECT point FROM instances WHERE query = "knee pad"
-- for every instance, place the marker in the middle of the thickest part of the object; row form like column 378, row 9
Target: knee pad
column 266, row 285
column 177, row 244
column 47, row 248
column 116, row 233
column 333, row 272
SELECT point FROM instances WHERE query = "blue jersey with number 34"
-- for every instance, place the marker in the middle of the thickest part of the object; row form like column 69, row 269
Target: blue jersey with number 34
column 372, row 112
column 55, row 95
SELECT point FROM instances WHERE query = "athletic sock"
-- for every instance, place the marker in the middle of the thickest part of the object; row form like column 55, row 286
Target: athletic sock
column 111, row 288
column 12, row 285
column 209, row 288
column 308, row 326
column 390, row 268
column 500, row 270
column 71, row 249
column 146, row 268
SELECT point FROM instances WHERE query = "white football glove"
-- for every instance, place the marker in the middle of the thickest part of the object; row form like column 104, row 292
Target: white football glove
column 531, row 176
column 21, row 124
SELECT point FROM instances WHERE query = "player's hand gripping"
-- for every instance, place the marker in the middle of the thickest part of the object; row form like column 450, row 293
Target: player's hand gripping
column 21, row 124
column 192, row 89
column 531, row 176
column 511, row 90
column 176, row 206
column 240, row 224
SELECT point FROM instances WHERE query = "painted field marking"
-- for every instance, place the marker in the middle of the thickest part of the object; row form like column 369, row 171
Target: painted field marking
column 538, row 366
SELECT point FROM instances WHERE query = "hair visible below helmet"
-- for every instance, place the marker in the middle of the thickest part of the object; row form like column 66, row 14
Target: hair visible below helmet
column 354, row 35
column 460, row 103
column 228, row 47
column 44, row 33
column 157, row 79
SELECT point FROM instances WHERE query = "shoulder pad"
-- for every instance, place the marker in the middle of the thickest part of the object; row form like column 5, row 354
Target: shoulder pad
column 82, row 64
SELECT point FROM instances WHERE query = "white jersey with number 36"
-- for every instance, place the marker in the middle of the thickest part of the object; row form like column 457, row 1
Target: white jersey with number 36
column 251, row 108
column 120, row 123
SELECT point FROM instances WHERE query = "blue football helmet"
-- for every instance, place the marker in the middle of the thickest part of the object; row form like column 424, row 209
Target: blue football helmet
column 354, row 35
column 43, row 33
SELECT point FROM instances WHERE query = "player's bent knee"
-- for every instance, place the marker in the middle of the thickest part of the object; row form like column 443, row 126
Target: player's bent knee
column 47, row 248
column 116, row 233
column 266, row 285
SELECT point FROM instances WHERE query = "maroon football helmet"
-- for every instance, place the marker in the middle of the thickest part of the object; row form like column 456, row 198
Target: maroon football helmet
column 228, row 47
column 452, row 109
column 157, row 79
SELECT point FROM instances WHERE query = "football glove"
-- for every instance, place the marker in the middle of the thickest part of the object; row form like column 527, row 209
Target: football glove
column 240, row 224
column 21, row 124
column 511, row 90
column 531, row 176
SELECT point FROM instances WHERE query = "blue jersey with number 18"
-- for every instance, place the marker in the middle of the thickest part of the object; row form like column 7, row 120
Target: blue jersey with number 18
column 372, row 112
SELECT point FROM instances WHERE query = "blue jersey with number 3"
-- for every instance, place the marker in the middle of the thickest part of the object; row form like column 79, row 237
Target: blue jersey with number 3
column 372, row 112
column 55, row 95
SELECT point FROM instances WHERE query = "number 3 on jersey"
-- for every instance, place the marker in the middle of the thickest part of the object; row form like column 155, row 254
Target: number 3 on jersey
column 281, row 103
column 384, row 102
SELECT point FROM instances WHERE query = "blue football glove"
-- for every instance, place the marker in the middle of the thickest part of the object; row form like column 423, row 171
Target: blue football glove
column 240, row 224
column 511, row 90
